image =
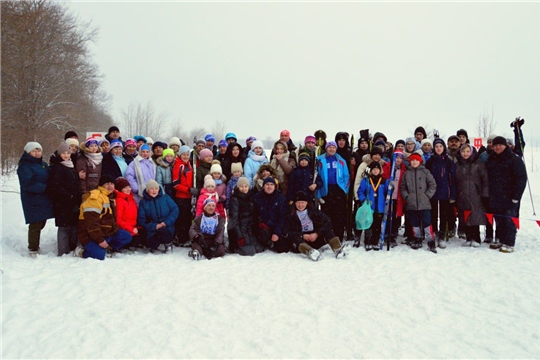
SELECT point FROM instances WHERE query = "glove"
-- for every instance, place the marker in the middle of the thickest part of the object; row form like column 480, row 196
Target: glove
column 194, row 191
column 263, row 226
column 241, row 242
column 519, row 122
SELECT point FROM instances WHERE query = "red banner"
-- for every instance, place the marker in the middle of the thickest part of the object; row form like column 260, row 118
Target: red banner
column 516, row 222
column 538, row 222
column 466, row 214
column 490, row 218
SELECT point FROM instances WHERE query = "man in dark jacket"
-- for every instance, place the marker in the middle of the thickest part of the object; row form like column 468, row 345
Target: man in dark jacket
column 507, row 178
column 271, row 209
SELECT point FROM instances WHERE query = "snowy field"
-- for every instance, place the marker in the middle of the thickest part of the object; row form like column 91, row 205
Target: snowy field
column 459, row 303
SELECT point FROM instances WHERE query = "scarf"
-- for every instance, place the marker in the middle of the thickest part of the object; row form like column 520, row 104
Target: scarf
column 122, row 164
column 94, row 158
column 258, row 158
column 305, row 221
column 67, row 163
column 279, row 170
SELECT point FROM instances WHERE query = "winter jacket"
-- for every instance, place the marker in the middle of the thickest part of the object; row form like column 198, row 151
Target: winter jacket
column 202, row 169
column 417, row 188
column 110, row 166
column 366, row 192
column 472, row 186
column 293, row 227
column 205, row 194
column 507, row 179
column 342, row 174
column 97, row 216
column 231, row 185
column 241, row 224
column 230, row 159
column 33, row 176
column 217, row 238
column 443, row 170
column 138, row 181
column 271, row 210
column 258, row 179
column 93, row 171
column 283, row 167
column 63, row 187
column 154, row 210
column 164, row 175
column 396, row 183
column 252, row 164
column 182, row 177
column 126, row 211
column 300, row 180
column 361, row 172
column 129, row 157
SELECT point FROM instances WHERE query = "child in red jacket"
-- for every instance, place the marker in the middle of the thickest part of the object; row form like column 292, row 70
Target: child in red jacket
column 184, row 190
column 126, row 212
column 209, row 192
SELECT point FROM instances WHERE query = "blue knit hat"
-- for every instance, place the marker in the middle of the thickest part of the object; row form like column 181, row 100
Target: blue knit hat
column 231, row 135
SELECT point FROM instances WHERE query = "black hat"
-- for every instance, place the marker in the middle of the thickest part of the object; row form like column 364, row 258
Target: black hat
column 400, row 141
column 159, row 143
column 420, row 129
column 499, row 140
column 106, row 179
column 462, row 132
column 70, row 134
column 113, row 128
column 439, row 141
column 342, row 135
column 300, row 196
column 378, row 135
column 121, row 183
column 376, row 150
column 304, row 156
column 374, row 164
column 269, row 180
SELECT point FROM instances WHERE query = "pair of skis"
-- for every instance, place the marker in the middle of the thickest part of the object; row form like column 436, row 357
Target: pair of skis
column 388, row 207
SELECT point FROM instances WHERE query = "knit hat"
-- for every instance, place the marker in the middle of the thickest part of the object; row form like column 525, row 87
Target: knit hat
column 374, row 164
column 131, row 142
column 269, row 179
column 104, row 141
column 378, row 135
column 242, row 181
column 209, row 181
column 426, row 141
column 168, row 152
column 210, row 137
column 113, row 128
column 376, row 151
column 138, row 138
column 216, row 168
column 184, row 149
column 149, row 140
column 62, row 148
column 420, row 129
column 91, row 141
column 152, row 184
column 175, row 141
column 256, row 143
column 70, row 134
column 380, row 143
column 121, row 183
column 342, row 135
column 72, row 142
column 439, row 141
column 205, row 153
column 452, row 137
column 230, row 135
column 250, row 139
column 208, row 201
column 116, row 143
column 105, row 179
column 31, row 146
column 415, row 156
column 400, row 141
column 158, row 143
column 223, row 143
column 499, row 140
column 236, row 167
column 398, row 153
column 200, row 141
column 310, row 138
column 410, row 139
column 491, row 137
column 331, row 143
column 304, row 156
column 145, row 147
column 285, row 133
column 300, row 196
column 462, row 132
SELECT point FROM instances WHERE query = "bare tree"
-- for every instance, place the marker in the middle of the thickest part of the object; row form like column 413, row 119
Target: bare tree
column 177, row 129
column 195, row 134
column 143, row 120
column 485, row 125
column 218, row 130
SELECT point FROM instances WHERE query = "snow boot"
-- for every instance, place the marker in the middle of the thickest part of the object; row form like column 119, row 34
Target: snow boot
column 368, row 247
column 475, row 244
column 467, row 243
column 506, row 249
column 78, row 252
column 33, row 253
column 432, row 247
column 488, row 240
column 339, row 250
column 310, row 252
column 194, row 254
column 168, row 247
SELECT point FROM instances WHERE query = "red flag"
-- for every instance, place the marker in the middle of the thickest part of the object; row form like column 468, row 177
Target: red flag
column 466, row 214
column 516, row 222
column 490, row 218
column 538, row 222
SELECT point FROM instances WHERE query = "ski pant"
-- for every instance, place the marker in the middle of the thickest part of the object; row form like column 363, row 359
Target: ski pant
column 373, row 234
column 67, row 239
column 162, row 236
column 34, row 234
column 440, row 210
column 282, row 245
column 139, row 240
column 322, row 240
column 506, row 229
column 472, row 232
column 116, row 241
column 183, row 222
column 421, row 219
column 335, row 206
column 207, row 246
column 396, row 220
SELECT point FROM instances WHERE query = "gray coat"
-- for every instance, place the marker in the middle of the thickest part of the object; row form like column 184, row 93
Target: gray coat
column 417, row 188
column 472, row 186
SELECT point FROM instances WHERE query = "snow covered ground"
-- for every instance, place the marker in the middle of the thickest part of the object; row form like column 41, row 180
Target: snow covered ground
column 460, row 303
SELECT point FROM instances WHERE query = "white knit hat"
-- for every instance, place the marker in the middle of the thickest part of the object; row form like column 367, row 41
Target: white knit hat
column 175, row 141
column 257, row 143
column 216, row 168
column 426, row 141
column 71, row 141
column 31, row 145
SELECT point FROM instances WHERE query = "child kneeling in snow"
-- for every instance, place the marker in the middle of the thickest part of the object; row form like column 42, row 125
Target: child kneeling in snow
column 309, row 229
column 206, row 233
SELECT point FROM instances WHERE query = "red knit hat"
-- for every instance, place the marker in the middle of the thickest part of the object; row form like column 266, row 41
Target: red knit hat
column 415, row 156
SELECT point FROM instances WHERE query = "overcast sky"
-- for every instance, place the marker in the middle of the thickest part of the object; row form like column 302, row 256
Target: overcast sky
column 264, row 67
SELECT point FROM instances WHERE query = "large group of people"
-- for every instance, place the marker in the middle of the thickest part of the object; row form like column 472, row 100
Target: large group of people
column 109, row 195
